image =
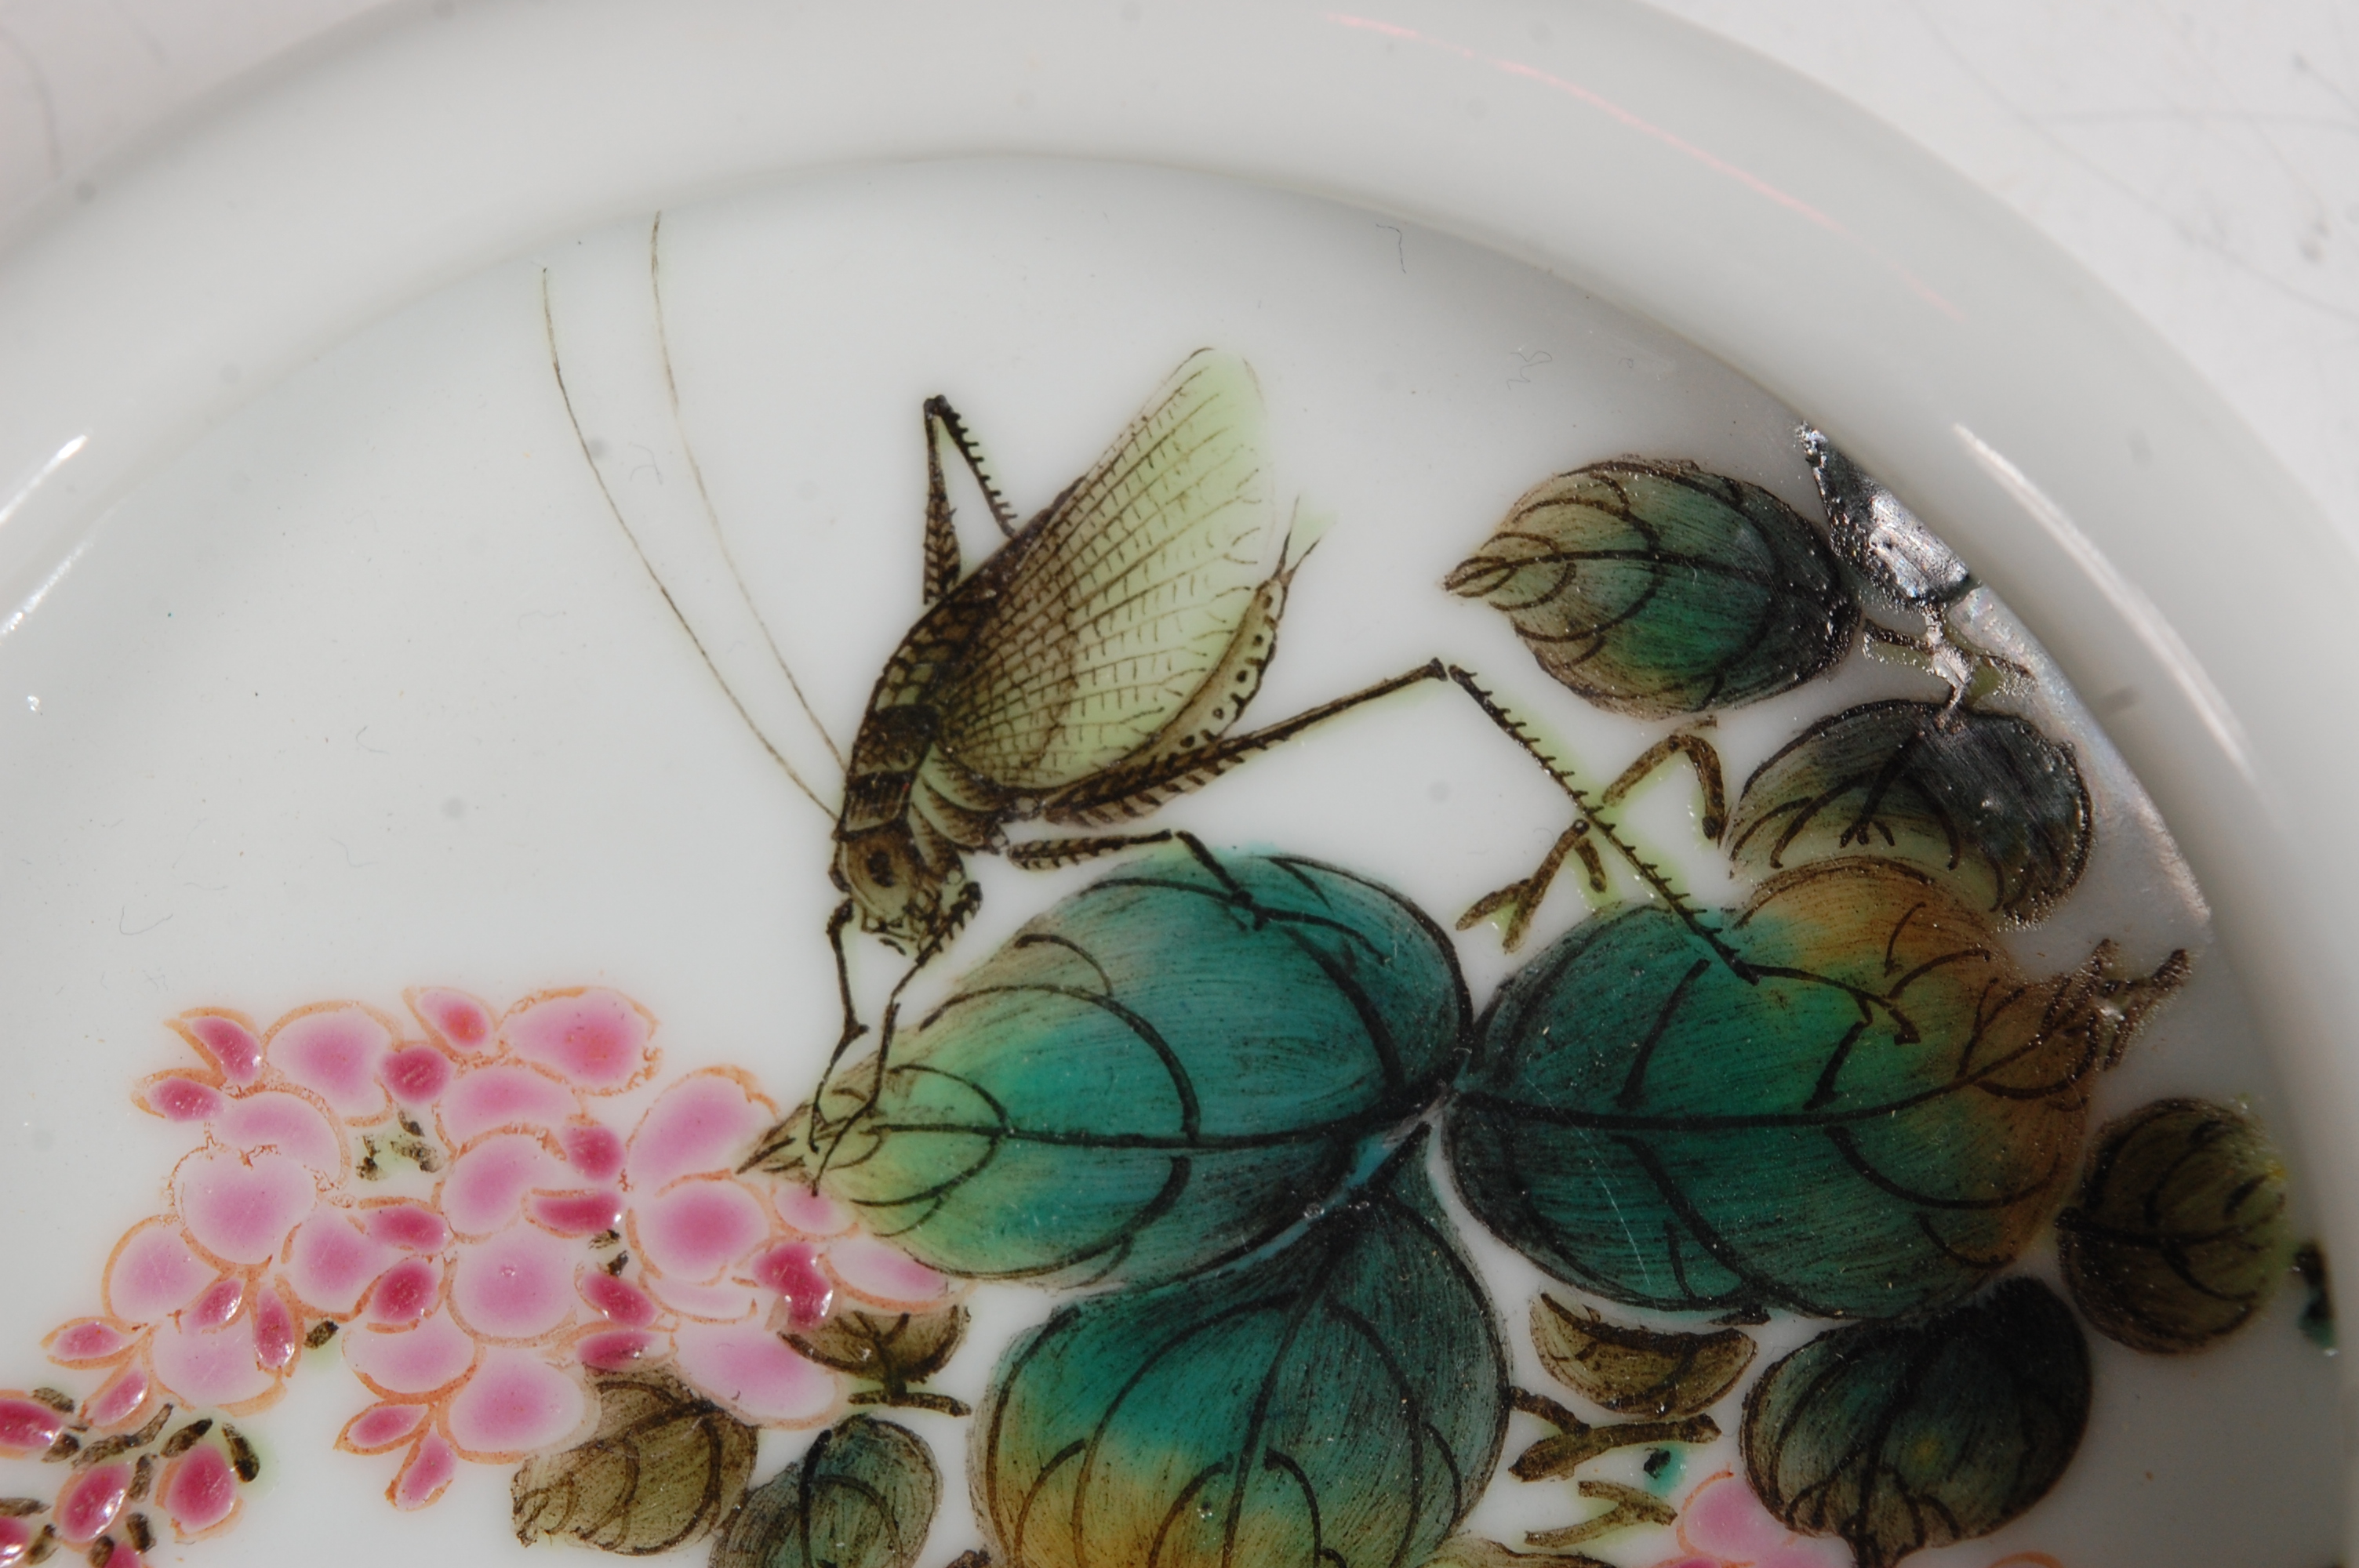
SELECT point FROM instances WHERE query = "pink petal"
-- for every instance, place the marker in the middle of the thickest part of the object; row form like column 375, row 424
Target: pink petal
column 88, row 1503
column 695, row 1230
column 410, row 1362
column 594, row 1038
column 290, row 1123
column 616, row 1300
column 576, row 1214
column 1809, row 1551
column 198, row 1491
column 380, row 1427
column 242, row 1210
column 154, row 1272
column 406, row 1293
column 792, row 1270
column 427, row 1470
column 227, row 1041
column 813, row 1214
column 752, row 1370
column 486, row 1188
column 333, row 1049
column 594, row 1151
column 26, row 1426
column 209, row 1367
column 17, row 1537
column 503, row 1096
column 275, row 1338
column 412, row 1227
column 515, row 1403
column 86, row 1342
column 1723, row 1519
column 705, row 1122
column 118, row 1400
column 458, row 1019
column 726, row 1301
column 417, row 1075
column 883, row 1275
column 176, row 1098
column 330, row 1261
column 612, row 1350
column 517, row 1285
column 218, row 1304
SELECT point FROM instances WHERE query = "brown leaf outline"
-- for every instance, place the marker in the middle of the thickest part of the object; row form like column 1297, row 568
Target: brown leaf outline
column 891, row 1349
column 664, row 1467
column 863, row 1496
column 1637, row 1371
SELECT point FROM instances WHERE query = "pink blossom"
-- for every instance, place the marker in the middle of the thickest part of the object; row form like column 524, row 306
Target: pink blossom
column 507, row 1241
column 1724, row 1525
column 724, row 1264
column 195, row 1308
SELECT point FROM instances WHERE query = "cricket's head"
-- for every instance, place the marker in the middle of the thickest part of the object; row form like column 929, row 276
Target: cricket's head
column 901, row 894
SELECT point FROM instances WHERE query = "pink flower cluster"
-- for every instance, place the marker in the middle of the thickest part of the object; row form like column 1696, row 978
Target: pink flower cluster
column 445, row 1200
column 1724, row 1525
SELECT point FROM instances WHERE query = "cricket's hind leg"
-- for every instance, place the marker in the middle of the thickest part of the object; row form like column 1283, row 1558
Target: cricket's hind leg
column 1125, row 793
column 943, row 567
column 1050, row 854
column 1522, row 899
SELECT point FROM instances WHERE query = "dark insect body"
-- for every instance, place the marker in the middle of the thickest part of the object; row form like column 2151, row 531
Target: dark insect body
column 1087, row 672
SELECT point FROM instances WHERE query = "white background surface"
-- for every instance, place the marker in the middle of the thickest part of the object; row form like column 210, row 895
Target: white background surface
column 2199, row 157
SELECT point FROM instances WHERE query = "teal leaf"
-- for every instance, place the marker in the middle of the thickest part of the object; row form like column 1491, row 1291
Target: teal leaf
column 2180, row 1232
column 1338, row 1404
column 1903, row 1436
column 1158, row 1076
column 1876, row 1115
column 1656, row 588
column 1982, row 800
column 863, row 1496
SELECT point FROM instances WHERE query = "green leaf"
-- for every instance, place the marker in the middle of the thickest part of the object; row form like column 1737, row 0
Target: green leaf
column 1158, row 1076
column 1637, row 1371
column 1902, row 1436
column 1656, row 588
column 2181, row 1233
column 1983, row 800
column 864, row 1496
column 1873, row 1118
column 1338, row 1404
column 664, row 1467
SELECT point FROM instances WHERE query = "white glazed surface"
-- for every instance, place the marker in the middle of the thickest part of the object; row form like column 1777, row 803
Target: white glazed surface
column 302, row 213
column 368, row 690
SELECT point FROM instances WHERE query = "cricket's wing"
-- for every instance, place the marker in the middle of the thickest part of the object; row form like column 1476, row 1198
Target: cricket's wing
column 1129, row 599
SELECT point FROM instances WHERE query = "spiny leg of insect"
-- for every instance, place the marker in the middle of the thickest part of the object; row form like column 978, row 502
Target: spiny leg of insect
column 1649, row 872
column 1050, row 854
column 943, row 565
column 970, row 900
column 853, row 1028
column 1135, row 792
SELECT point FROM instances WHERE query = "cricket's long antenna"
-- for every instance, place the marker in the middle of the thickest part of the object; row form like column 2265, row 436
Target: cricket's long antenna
column 696, row 473
column 557, row 368
column 1652, row 874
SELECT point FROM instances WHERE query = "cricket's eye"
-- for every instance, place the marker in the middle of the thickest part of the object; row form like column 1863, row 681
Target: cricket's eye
column 880, row 868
